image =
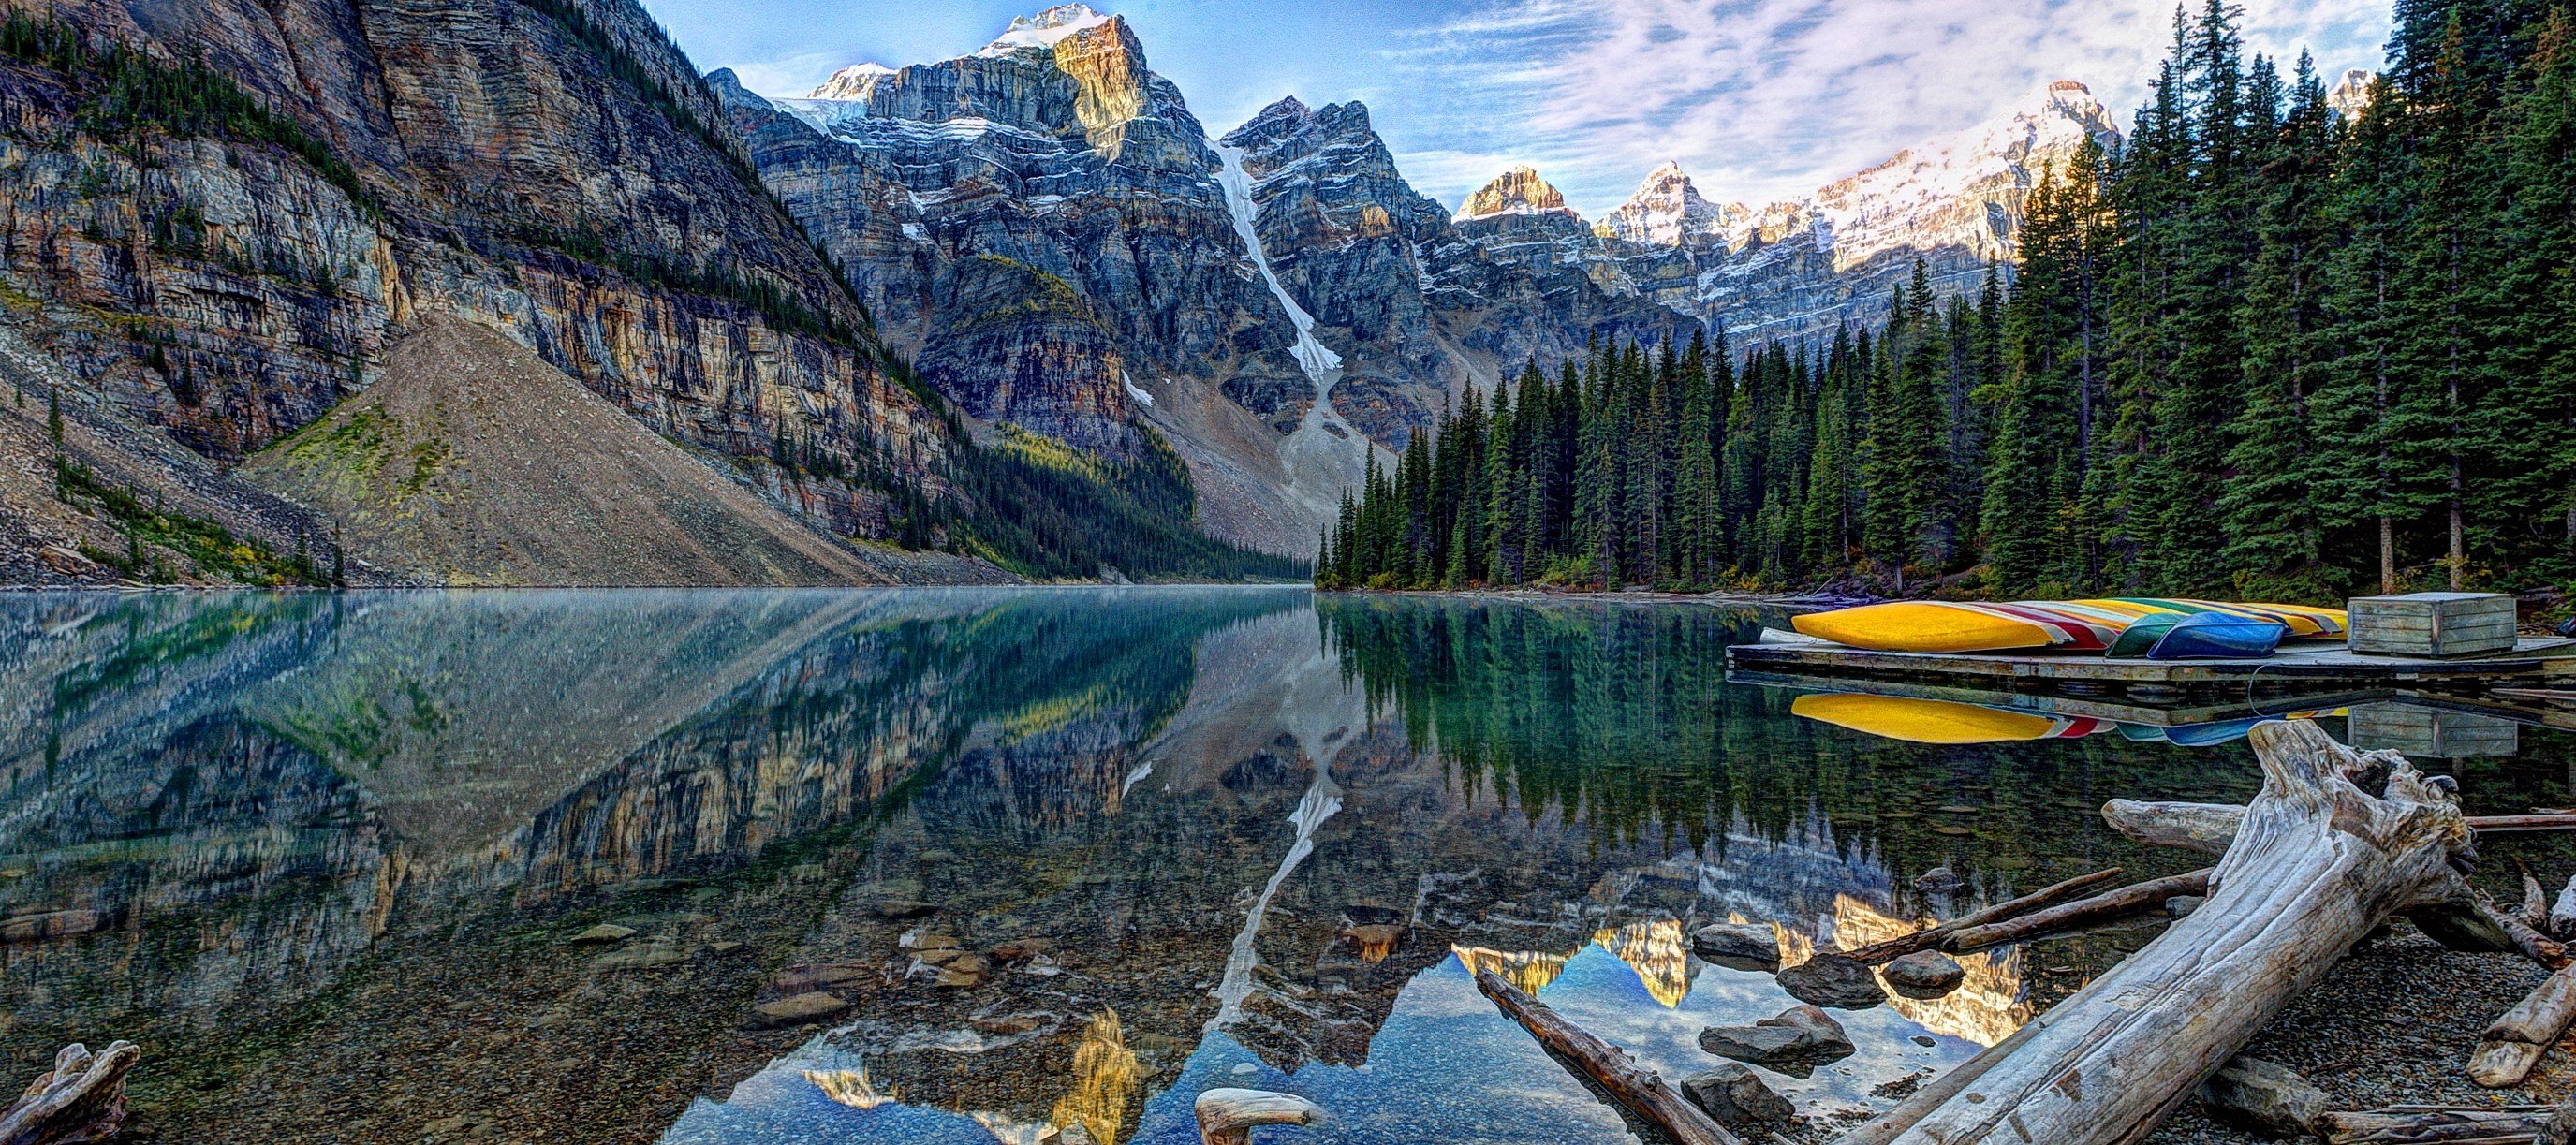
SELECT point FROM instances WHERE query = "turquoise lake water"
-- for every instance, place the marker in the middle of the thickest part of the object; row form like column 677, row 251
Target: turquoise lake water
column 551, row 866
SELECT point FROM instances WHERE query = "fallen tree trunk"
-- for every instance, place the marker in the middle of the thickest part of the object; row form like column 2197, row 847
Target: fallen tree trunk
column 2316, row 864
column 1641, row 1091
column 1932, row 936
column 2515, row 1042
column 81, row 1099
column 2126, row 902
column 2207, row 827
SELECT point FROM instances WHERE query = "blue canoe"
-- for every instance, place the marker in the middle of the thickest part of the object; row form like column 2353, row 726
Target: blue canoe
column 2217, row 636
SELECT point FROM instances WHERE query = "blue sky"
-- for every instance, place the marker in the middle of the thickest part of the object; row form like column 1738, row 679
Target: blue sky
column 1758, row 99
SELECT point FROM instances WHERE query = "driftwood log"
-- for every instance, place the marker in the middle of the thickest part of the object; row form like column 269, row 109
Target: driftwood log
column 2562, row 914
column 2432, row 1126
column 2127, row 902
column 1932, row 937
column 1640, row 1091
column 1227, row 1116
column 2316, row 863
column 2516, row 1041
column 81, row 1099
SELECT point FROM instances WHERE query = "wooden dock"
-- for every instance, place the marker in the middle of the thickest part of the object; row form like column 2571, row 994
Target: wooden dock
column 2535, row 662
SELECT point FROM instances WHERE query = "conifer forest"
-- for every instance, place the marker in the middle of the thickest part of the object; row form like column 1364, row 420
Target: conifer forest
column 2265, row 348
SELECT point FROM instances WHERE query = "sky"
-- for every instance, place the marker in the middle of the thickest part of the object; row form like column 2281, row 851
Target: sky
column 1759, row 100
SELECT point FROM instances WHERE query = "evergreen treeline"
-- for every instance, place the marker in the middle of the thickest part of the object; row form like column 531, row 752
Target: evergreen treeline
column 2260, row 350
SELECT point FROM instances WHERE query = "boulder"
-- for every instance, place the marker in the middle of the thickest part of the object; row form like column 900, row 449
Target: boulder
column 1833, row 980
column 1924, row 974
column 1737, row 946
column 1736, row 1097
column 1937, row 881
column 1795, row 1042
column 2263, row 1096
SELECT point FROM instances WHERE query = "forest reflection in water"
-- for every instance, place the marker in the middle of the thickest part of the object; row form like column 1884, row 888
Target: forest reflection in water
column 932, row 865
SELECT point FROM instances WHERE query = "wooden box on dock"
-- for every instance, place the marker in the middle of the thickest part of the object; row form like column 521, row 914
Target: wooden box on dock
column 2432, row 624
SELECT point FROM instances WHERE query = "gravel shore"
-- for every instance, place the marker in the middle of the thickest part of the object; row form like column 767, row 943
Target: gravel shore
column 2392, row 1025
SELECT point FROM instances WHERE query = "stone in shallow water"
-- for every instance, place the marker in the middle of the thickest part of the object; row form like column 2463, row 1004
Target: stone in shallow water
column 799, row 979
column 651, row 954
column 797, row 1011
column 1833, row 980
column 603, row 934
column 1925, row 974
column 1795, row 1043
column 1737, row 1097
column 1737, row 946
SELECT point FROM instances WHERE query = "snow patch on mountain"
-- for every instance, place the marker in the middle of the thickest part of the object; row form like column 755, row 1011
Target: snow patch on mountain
column 1312, row 355
column 2350, row 96
column 856, row 81
column 1045, row 29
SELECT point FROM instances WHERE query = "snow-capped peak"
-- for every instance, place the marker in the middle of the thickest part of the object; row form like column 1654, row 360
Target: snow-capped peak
column 1518, row 191
column 1667, row 210
column 2350, row 97
column 852, row 82
column 1965, row 188
column 1045, row 29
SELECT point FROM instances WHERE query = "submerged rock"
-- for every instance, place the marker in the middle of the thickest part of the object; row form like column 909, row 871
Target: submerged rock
column 1737, row 946
column 1925, row 974
column 603, row 934
column 1737, row 1097
column 1937, row 881
column 798, row 1010
column 1833, row 980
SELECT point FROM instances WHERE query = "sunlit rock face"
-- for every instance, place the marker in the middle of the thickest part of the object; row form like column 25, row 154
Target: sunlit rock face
column 1519, row 191
column 575, row 188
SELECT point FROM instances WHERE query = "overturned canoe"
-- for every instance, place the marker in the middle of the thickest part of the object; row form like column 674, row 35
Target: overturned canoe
column 2055, row 625
column 1938, row 721
column 1959, row 626
column 2216, row 636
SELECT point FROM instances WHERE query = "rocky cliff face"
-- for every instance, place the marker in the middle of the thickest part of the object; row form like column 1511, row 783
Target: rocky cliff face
column 1431, row 304
column 552, row 167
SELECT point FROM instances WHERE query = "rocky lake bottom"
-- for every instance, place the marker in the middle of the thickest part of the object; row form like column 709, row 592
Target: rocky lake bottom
column 1015, row 865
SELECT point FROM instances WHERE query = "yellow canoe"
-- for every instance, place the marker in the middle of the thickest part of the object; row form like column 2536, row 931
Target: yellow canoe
column 1938, row 721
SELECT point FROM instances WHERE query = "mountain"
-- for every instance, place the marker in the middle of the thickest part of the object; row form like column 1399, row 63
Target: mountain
column 1067, row 249
column 2350, row 95
column 1798, row 268
column 1667, row 210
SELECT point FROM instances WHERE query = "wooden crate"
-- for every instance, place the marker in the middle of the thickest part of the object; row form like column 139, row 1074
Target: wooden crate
column 2418, row 732
column 2432, row 624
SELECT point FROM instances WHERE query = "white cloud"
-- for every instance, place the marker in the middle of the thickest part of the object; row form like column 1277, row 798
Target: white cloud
column 1768, row 99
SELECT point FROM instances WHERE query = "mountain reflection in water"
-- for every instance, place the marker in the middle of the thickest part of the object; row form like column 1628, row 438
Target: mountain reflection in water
column 970, row 865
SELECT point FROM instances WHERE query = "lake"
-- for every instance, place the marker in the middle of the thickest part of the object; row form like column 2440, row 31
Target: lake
column 977, row 865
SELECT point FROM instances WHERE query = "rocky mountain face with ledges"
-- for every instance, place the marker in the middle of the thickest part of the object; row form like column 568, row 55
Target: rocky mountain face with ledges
column 552, row 168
